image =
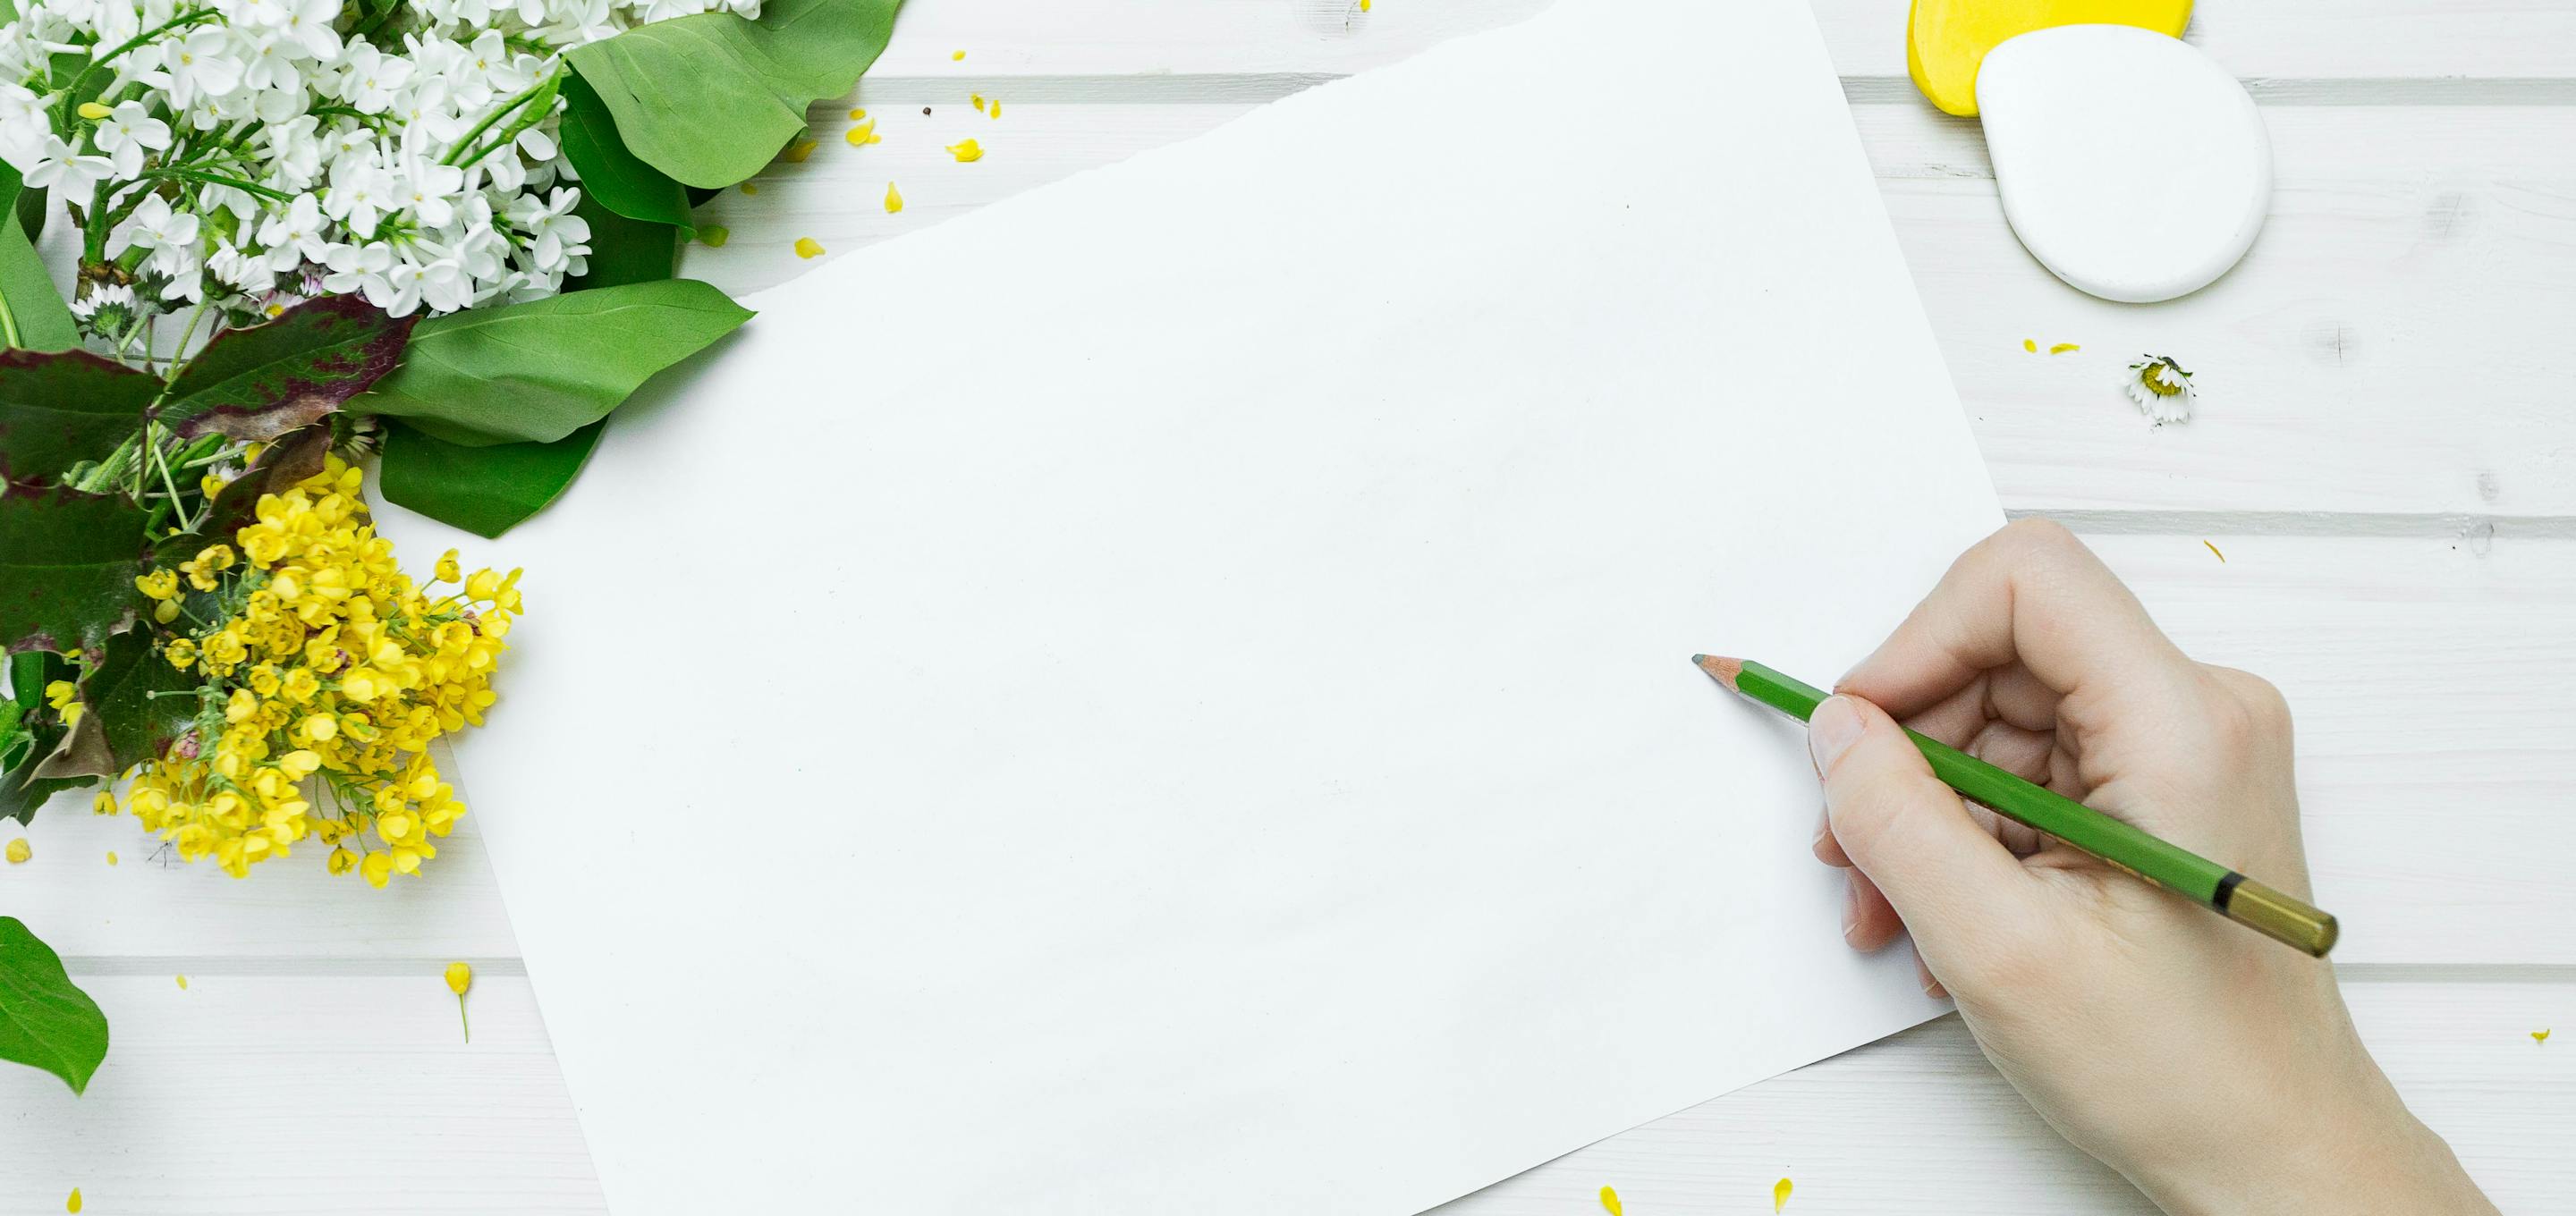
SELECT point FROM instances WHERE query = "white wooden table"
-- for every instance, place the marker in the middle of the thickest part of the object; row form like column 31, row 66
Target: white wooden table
column 2386, row 455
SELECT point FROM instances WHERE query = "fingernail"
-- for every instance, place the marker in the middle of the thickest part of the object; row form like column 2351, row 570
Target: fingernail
column 1831, row 731
column 1851, row 908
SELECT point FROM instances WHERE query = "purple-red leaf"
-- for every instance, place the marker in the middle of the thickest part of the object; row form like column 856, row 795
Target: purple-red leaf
column 59, row 409
column 265, row 381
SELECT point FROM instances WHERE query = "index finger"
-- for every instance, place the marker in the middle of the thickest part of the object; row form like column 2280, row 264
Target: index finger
column 2030, row 593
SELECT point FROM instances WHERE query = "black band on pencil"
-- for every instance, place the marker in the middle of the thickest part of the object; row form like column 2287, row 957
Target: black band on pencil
column 2226, row 890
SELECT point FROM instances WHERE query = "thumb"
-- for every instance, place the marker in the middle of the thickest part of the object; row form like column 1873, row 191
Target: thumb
column 1952, row 881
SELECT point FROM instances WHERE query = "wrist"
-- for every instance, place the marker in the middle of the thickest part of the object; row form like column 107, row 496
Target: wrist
column 2356, row 1151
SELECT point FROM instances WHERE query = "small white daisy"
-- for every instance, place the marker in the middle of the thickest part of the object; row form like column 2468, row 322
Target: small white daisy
column 2161, row 389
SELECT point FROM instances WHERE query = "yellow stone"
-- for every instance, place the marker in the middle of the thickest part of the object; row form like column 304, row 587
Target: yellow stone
column 1946, row 40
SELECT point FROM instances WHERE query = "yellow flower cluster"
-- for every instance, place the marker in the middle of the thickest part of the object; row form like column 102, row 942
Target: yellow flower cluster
column 324, row 673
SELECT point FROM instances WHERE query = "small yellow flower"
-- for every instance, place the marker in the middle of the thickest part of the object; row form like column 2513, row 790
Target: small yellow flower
column 64, row 695
column 447, row 570
column 159, row 585
column 103, row 803
column 893, row 199
column 182, row 652
column 459, row 978
column 966, row 152
column 20, row 851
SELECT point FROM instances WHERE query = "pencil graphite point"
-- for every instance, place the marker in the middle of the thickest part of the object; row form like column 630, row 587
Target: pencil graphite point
column 1720, row 668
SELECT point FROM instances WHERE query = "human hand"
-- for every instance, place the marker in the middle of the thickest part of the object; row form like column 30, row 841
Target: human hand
column 2214, row 1068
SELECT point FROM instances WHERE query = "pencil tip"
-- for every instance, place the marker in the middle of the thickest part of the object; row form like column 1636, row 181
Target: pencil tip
column 1719, row 667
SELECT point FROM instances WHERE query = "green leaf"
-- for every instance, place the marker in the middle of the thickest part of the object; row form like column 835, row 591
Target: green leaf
column 747, row 82
column 624, row 251
column 264, row 381
column 59, row 409
column 67, row 567
column 615, row 177
column 32, row 313
column 127, row 723
column 484, row 490
column 46, row 1020
column 538, row 371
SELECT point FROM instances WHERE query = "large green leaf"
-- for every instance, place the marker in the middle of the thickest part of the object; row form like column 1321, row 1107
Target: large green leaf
column 67, row 567
column 46, row 1020
column 610, row 174
column 485, row 490
column 32, row 313
column 708, row 99
column 538, row 371
column 264, row 381
column 624, row 250
column 59, row 409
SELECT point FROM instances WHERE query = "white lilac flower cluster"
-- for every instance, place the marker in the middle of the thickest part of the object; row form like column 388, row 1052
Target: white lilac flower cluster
column 242, row 153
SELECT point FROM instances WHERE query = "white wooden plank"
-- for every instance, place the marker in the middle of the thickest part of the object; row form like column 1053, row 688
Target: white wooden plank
column 285, row 1095
column 2395, row 338
column 151, row 905
column 265, row 1096
column 2301, row 38
column 1921, row 1124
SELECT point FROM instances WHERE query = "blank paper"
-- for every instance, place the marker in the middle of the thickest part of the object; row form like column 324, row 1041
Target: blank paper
column 1172, row 692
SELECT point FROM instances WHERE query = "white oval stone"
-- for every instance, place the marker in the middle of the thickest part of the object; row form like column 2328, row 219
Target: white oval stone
column 2131, row 165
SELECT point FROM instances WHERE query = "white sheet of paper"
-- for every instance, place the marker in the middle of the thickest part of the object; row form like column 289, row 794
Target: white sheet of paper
column 1172, row 692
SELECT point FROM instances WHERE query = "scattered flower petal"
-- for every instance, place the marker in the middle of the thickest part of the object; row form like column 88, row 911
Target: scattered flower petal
column 183, row 983
column 808, row 247
column 863, row 134
column 2031, row 345
column 20, row 851
column 1609, row 1198
column 978, row 99
column 714, row 236
column 2540, row 1036
column 751, row 187
column 2213, row 549
column 798, row 151
column 2064, row 348
column 894, row 199
column 966, row 152
column 857, row 115
column 1779, row 1194
column 996, row 110
column 73, row 1204
column 111, row 857
column 954, row 56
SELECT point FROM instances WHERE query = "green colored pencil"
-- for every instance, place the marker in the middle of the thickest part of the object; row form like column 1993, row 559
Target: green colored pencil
column 2176, row 869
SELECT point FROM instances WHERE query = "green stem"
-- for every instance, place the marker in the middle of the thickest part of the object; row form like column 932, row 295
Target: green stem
column 217, row 179
column 549, row 86
column 461, row 1019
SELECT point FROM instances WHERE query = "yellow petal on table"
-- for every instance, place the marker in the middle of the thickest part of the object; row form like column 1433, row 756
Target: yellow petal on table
column 751, row 187
column 967, row 151
column 714, row 236
column 997, row 109
column 1779, row 1194
column 1946, row 40
column 111, row 857
column 183, row 983
column 2064, row 348
column 808, row 247
column 20, row 851
column 798, row 151
column 2031, row 345
column 894, row 199
column 857, row 115
column 73, row 1204
column 2540, row 1036
column 864, row 134
column 1609, row 1198
column 954, row 56
column 978, row 99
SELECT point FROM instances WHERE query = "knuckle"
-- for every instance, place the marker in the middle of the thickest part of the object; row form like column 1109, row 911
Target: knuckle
column 2038, row 535
column 2250, row 707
